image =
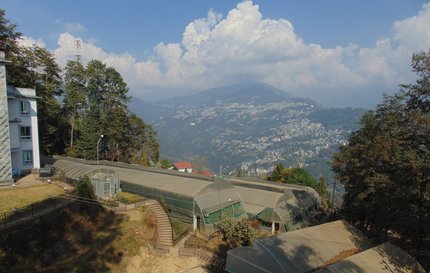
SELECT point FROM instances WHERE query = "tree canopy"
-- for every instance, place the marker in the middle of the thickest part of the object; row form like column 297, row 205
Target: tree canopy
column 94, row 103
column 385, row 167
column 236, row 233
column 293, row 175
column 35, row 67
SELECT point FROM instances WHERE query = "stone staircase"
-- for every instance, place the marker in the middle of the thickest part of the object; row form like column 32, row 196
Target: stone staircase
column 164, row 227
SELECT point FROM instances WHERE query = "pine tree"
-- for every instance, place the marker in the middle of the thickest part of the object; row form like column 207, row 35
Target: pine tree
column 321, row 189
column 74, row 98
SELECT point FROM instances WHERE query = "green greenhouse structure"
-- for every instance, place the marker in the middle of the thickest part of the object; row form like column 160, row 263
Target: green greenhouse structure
column 280, row 211
column 203, row 201
column 196, row 201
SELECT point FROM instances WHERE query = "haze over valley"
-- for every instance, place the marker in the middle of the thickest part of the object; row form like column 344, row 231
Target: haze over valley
column 249, row 127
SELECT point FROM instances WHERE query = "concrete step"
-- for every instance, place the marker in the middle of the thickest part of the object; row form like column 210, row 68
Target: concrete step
column 165, row 236
column 162, row 250
column 164, row 241
column 165, row 229
column 190, row 252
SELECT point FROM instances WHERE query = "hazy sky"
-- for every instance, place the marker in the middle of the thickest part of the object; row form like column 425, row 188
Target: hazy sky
column 337, row 52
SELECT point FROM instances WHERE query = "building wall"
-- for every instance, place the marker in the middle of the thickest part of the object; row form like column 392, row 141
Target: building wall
column 5, row 156
column 190, row 170
column 18, row 120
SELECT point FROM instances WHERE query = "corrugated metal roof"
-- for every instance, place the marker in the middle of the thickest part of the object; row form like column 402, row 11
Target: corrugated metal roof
column 268, row 199
column 174, row 184
column 210, row 196
column 296, row 251
column 384, row 258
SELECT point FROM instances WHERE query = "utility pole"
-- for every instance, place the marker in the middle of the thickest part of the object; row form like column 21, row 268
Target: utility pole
column 98, row 143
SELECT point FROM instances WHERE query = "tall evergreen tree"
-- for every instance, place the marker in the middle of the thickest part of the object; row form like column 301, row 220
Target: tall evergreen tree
column 385, row 167
column 95, row 101
column 74, row 98
column 35, row 67
column 48, row 86
column 321, row 189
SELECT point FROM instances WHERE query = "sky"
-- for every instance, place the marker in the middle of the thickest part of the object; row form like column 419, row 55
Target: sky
column 338, row 53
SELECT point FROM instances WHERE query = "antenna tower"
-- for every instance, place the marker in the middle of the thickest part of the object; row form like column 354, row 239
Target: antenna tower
column 78, row 46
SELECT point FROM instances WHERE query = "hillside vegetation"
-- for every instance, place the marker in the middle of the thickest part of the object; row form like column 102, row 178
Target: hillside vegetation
column 75, row 239
column 385, row 167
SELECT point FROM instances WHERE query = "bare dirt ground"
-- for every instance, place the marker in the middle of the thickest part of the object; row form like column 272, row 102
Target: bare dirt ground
column 136, row 234
column 148, row 261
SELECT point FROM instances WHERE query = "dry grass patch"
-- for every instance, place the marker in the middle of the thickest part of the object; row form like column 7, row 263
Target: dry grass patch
column 77, row 238
column 128, row 198
column 136, row 231
column 20, row 197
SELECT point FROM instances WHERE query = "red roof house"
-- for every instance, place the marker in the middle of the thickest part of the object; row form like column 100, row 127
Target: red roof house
column 183, row 166
column 205, row 173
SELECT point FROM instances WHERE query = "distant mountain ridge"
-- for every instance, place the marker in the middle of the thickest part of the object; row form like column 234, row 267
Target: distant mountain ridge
column 234, row 93
column 250, row 127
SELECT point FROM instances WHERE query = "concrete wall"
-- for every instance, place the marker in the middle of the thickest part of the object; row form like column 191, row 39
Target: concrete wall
column 5, row 155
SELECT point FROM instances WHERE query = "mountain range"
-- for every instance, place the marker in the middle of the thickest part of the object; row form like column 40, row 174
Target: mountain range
column 248, row 127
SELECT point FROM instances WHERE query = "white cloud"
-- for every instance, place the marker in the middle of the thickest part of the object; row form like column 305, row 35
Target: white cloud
column 74, row 27
column 414, row 32
column 244, row 46
column 29, row 42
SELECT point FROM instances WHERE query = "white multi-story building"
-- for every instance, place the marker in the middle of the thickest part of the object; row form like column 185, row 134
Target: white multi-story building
column 23, row 130
column 19, row 139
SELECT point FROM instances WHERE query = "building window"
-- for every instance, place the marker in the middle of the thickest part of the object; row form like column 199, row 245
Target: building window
column 24, row 107
column 27, row 157
column 25, row 132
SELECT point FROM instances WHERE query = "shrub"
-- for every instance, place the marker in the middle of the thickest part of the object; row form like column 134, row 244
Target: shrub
column 237, row 233
column 85, row 189
column 128, row 198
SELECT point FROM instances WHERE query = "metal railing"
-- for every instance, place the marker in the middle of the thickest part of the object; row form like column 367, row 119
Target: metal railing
column 26, row 213
column 23, row 214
